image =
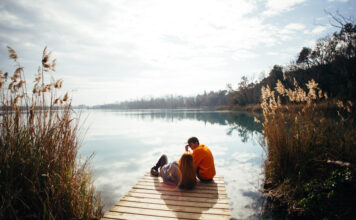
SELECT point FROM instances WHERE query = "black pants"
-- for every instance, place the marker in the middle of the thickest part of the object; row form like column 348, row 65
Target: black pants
column 201, row 179
column 163, row 160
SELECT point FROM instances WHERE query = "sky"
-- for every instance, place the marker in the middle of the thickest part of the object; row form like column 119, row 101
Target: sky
column 109, row 51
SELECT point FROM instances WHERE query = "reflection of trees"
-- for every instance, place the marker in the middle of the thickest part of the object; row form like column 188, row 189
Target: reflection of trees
column 245, row 125
column 243, row 133
column 241, row 122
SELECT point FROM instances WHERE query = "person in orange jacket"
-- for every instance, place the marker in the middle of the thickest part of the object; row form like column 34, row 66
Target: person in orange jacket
column 203, row 159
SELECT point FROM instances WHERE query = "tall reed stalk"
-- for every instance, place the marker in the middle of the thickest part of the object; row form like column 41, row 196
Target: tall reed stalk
column 311, row 155
column 40, row 176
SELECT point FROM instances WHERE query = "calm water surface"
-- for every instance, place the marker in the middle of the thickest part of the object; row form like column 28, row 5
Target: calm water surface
column 126, row 144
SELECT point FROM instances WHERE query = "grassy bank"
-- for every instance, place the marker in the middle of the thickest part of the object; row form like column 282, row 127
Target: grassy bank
column 310, row 166
column 247, row 108
column 40, row 177
column 328, row 107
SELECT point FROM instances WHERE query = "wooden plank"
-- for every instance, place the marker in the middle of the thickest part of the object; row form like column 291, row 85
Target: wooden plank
column 121, row 215
column 175, row 208
column 158, row 179
column 170, row 197
column 180, row 194
column 151, row 198
column 196, row 190
column 166, row 213
column 216, row 180
column 215, row 177
column 172, row 201
column 199, row 184
column 197, row 187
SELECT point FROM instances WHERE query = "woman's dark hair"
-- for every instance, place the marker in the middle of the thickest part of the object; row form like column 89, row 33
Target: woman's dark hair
column 193, row 140
column 186, row 166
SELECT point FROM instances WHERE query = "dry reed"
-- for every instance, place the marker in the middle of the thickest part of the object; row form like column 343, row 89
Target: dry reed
column 301, row 142
column 40, row 176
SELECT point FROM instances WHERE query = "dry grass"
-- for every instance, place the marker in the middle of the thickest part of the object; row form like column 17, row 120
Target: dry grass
column 248, row 108
column 305, row 147
column 40, row 176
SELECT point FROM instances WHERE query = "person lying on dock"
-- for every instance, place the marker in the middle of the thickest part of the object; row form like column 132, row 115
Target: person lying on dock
column 181, row 173
column 203, row 160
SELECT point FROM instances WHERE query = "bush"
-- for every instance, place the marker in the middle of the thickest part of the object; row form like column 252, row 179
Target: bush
column 40, row 176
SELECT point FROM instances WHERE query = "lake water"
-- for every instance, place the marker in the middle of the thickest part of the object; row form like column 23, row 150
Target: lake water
column 126, row 144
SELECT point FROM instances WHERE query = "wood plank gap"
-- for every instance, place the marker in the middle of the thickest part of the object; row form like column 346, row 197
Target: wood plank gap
column 198, row 186
column 213, row 192
column 150, row 199
column 156, row 177
column 215, row 177
column 174, row 211
column 190, row 199
column 135, row 216
column 211, row 196
column 182, row 203
column 174, row 208
column 155, row 216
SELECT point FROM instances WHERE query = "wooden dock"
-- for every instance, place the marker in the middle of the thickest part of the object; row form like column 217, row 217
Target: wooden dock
column 150, row 198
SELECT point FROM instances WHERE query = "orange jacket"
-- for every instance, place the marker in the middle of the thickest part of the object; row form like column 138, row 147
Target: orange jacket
column 203, row 158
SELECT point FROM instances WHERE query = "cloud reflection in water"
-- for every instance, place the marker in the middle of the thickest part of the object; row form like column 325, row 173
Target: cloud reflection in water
column 128, row 143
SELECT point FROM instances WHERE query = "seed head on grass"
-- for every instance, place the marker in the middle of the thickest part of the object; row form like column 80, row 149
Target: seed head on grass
column 12, row 53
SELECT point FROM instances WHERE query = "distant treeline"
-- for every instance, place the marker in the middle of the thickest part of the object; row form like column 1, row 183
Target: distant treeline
column 206, row 100
column 332, row 64
column 235, row 120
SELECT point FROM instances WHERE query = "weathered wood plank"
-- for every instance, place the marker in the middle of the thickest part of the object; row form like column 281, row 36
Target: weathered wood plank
column 199, row 184
column 166, row 213
column 169, row 188
column 170, row 197
column 158, row 178
column 150, row 198
column 196, row 190
column 121, row 215
column 180, row 194
column 172, row 201
column 175, row 208
column 215, row 177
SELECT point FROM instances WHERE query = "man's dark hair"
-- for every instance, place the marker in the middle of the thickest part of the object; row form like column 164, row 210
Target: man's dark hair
column 193, row 140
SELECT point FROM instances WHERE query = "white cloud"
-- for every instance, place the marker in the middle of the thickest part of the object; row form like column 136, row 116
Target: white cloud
column 174, row 40
column 244, row 157
column 10, row 19
column 243, row 55
column 202, row 28
column 343, row 1
column 295, row 26
column 150, row 48
column 319, row 29
column 289, row 31
column 310, row 43
column 279, row 6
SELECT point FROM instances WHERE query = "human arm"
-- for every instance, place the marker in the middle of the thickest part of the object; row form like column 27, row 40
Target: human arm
column 187, row 147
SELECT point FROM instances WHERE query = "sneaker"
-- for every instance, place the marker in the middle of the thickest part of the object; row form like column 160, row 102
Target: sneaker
column 154, row 171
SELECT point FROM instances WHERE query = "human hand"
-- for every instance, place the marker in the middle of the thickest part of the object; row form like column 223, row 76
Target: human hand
column 187, row 147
